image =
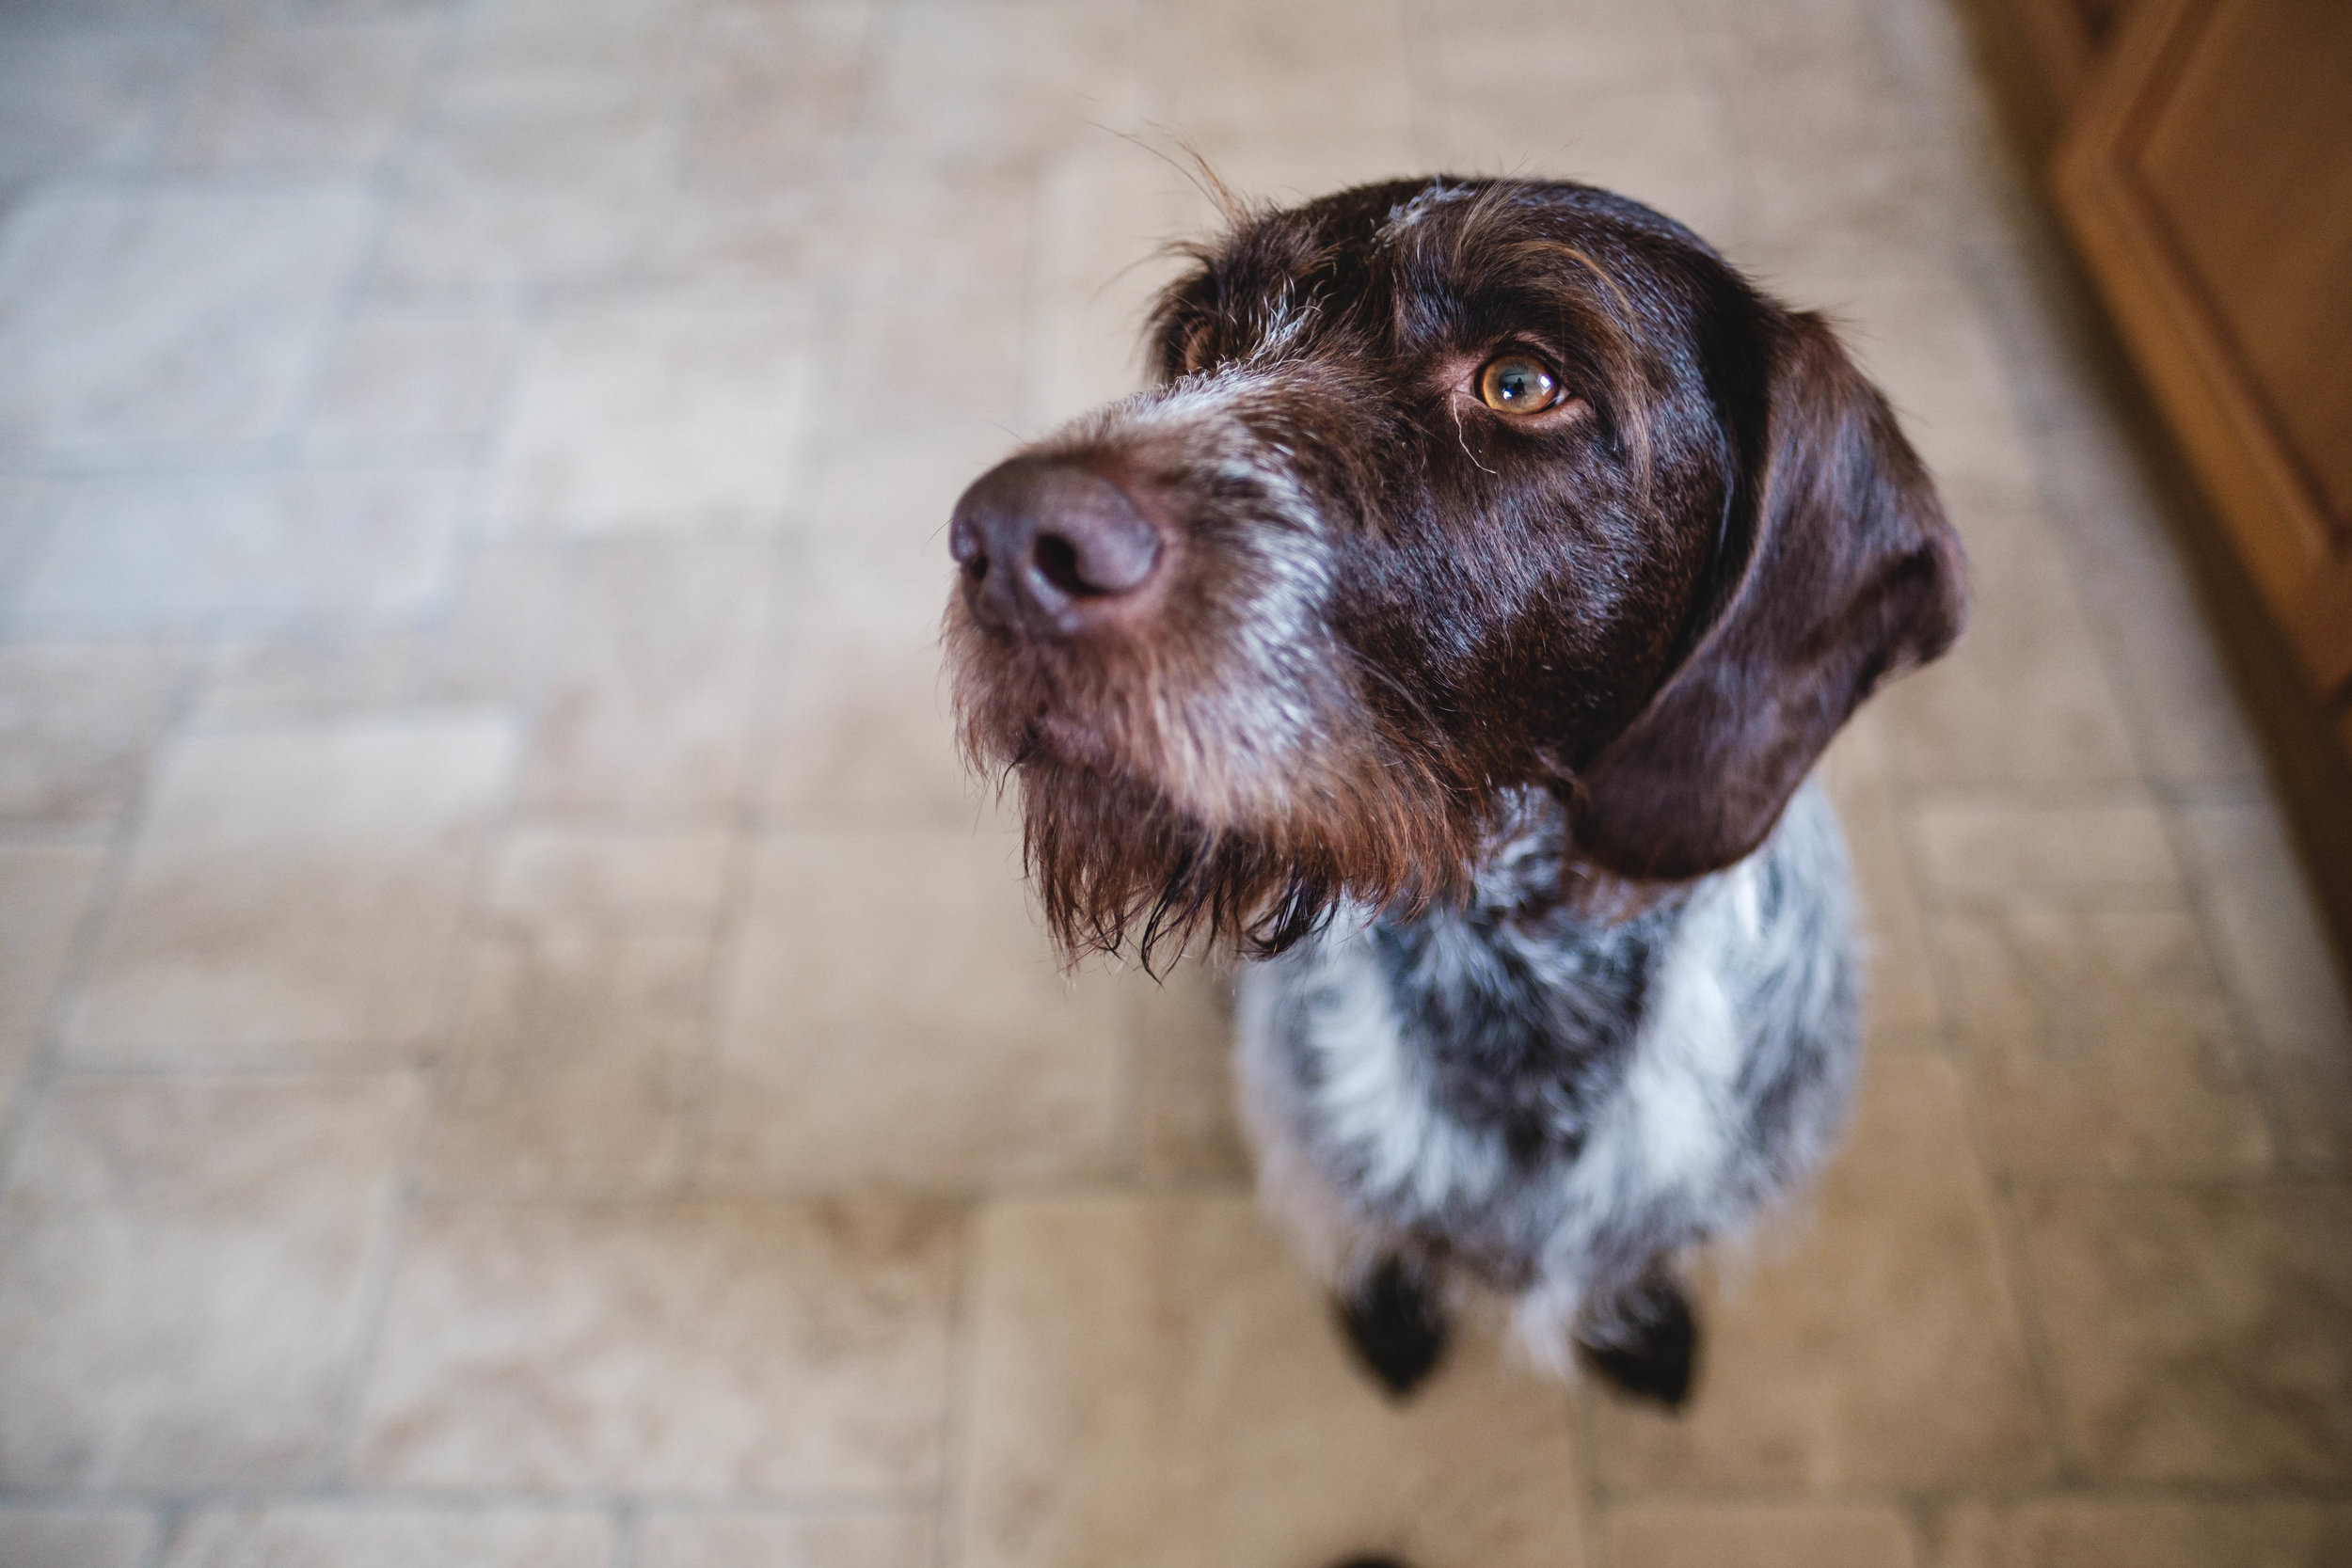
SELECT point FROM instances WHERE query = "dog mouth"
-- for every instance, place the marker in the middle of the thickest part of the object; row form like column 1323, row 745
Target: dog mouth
column 1052, row 740
column 1143, row 643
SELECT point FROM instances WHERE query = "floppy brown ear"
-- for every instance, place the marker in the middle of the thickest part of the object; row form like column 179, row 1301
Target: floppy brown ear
column 1836, row 571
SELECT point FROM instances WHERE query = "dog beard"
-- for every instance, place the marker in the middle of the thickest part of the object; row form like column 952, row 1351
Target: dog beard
column 1156, row 814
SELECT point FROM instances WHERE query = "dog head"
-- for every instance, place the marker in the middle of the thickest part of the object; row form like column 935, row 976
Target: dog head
column 1444, row 488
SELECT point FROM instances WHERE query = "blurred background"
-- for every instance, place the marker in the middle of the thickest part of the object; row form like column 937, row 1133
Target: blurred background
column 518, row 1047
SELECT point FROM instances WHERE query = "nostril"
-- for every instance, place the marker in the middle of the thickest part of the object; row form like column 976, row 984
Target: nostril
column 1051, row 545
column 1057, row 563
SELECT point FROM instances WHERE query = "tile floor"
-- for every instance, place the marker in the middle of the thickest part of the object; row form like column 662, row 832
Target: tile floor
column 517, row 1047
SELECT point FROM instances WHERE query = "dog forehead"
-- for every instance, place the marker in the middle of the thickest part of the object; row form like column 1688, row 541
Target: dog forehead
column 1409, row 265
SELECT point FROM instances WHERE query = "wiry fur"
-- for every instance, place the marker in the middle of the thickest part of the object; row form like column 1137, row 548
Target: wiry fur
column 1544, row 1108
column 1232, row 775
column 1488, row 734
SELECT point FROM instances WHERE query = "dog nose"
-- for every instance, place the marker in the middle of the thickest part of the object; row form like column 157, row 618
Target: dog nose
column 1051, row 545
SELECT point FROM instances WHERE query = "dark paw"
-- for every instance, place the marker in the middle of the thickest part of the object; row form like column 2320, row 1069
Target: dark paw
column 1369, row 1562
column 1397, row 1326
column 1649, row 1344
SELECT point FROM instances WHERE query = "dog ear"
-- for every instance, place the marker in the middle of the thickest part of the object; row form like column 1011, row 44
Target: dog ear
column 1836, row 571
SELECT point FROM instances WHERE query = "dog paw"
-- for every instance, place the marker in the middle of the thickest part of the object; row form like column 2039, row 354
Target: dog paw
column 1649, row 1347
column 1397, row 1326
column 1369, row 1562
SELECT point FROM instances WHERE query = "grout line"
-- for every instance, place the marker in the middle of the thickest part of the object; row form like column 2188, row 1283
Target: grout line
column 732, row 917
column 592, row 1500
column 48, row 1064
column 2172, row 798
column 2042, row 1357
column 452, row 978
column 375, row 1293
column 955, row 1500
column 1584, row 1396
column 170, row 1522
column 624, row 1528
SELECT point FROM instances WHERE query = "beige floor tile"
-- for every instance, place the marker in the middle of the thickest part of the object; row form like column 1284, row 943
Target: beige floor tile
column 1223, row 73
column 132, row 320
column 894, row 1016
column 507, row 203
column 2096, row 1532
column 655, row 417
column 44, row 890
column 855, row 722
column 410, row 383
column 1972, row 851
column 2025, row 698
column 78, row 724
column 1180, row 1084
column 126, row 13
column 916, row 310
column 1828, row 158
column 144, row 554
column 679, row 1347
column 318, row 95
column 1758, row 1535
column 183, row 1274
column 1578, row 42
column 1606, row 95
column 492, row 645
column 774, row 92
column 23, row 524
column 1660, row 143
column 2100, row 1044
column 719, row 242
column 1589, row 38
column 865, row 1538
column 373, row 1535
column 2200, row 1334
column 653, row 676
column 546, row 60
column 278, row 680
column 82, row 99
column 2132, row 580
column 293, row 891
column 575, row 1062
column 2282, row 975
column 1923, row 339
column 880, row 509
column 1156, row 1381
column 1899, row 998
column 1104, row 218
column 1878, row 1346
column 499, row 638
column 858, row 727
column 363, row 10
column 638, row 878
column 41, row 1537
column 971, row 86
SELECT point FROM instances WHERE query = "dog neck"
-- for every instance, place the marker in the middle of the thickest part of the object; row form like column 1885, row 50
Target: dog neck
column 1530, row 876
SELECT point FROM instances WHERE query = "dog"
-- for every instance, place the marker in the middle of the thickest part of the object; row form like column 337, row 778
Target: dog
column 1451, row 629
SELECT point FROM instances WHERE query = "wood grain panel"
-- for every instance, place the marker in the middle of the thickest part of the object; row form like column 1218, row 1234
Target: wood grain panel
column 2247, row 165
column 2208, row 182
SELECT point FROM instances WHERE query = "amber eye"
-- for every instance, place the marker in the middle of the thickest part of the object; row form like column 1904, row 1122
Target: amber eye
column 1517, row 384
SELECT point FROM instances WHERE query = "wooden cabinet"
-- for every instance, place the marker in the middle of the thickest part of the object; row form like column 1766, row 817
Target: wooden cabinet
column 2066, row 39
column 2206, row 174
column 2200, row 153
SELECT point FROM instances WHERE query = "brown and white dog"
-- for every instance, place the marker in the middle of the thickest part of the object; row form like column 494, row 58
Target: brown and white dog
column 1453, row 628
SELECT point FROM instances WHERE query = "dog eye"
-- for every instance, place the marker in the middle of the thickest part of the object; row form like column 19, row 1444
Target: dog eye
column 1517, row 384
